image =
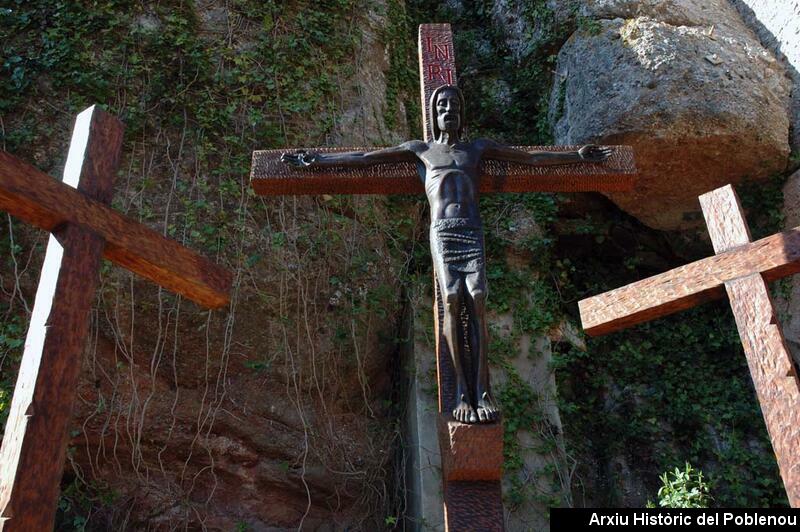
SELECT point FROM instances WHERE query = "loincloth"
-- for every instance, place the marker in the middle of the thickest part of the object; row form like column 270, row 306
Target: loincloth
column 458, row 243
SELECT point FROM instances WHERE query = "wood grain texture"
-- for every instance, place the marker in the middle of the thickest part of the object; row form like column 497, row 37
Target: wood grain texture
column 269, row 176
column 32, row 455
column 473, row 506
column 768, row 357
column 36, row 198
column 774, row 257
column 437, row 66
column 725, row 219
column 774, row 374
column 470, row 452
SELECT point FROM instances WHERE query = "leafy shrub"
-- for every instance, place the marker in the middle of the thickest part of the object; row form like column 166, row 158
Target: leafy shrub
column 683, row 489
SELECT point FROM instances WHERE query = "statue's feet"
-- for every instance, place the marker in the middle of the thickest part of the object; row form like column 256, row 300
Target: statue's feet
column 487, row 410
column 464, row 412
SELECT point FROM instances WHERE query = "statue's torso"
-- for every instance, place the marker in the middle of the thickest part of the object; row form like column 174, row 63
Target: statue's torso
column 450, row 175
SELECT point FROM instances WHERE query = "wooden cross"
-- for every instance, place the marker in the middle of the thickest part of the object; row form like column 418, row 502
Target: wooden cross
column 741, row 268
column 472, row 455
column 84, row 229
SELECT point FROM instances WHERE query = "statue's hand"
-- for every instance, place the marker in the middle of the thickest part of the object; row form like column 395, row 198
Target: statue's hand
column 299, row 158
column 595, row 154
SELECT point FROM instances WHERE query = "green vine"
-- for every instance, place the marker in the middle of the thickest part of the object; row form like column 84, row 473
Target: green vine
column 198, row 91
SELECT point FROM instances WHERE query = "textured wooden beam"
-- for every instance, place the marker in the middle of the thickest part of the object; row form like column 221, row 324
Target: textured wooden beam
column 36, row 198
column 473, row 506
column 269, row 176
column 774, row 375
column 725, row 219
column 32, row 455
column 437, row 66
column 469, row 503
column 774, row 257
column 742, row 268
column 769, row 359
column 470, row 452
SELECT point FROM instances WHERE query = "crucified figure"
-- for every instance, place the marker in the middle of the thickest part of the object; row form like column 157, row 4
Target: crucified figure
column 449, row 169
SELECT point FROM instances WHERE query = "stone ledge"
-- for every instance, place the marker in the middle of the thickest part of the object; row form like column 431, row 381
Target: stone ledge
column 470, row 452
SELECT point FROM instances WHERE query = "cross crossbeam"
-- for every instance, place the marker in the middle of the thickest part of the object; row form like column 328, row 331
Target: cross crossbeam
column 741, row 269
column 270, row 176
column 774, row 257
column 36, row 198
column 84, row 230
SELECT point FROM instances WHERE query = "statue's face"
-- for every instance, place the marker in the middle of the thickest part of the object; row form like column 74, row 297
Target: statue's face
column 448, row 111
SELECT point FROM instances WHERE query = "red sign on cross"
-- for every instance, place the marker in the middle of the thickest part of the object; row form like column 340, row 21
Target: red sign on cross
column 437, row 64
column 440, row 57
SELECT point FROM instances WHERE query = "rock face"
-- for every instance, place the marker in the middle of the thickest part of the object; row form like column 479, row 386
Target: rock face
column 526, row 28
column 777, row 24
column 272, row 414
column 685, row 83
column 779, row 19
column 361, row 122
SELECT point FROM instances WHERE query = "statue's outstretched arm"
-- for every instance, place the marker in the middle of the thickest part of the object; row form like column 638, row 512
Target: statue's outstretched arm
column 396, row 154
column 587, row 154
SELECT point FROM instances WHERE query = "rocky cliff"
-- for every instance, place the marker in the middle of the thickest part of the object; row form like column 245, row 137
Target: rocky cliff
column 274, row 412
column 281, row 412
column 689, row 86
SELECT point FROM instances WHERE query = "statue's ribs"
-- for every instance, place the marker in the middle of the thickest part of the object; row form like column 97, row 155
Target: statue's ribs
column 270, row 176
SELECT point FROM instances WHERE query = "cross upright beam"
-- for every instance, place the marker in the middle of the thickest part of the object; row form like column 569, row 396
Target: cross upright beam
column 437, row 66
column 473, row 499
column 84, row 230
column 741, row 269
column 32, row 457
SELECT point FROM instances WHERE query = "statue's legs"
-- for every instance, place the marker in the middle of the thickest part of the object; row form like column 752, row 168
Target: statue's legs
column 456, row 249
column 450, row 288
column 479, row 341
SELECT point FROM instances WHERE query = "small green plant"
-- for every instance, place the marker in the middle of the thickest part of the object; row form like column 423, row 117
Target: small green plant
column 588, row 25
column 683, row 489
column 12, row 340
column 794, row 159
column 763, row 201
column 259, row 366
column 80, row 504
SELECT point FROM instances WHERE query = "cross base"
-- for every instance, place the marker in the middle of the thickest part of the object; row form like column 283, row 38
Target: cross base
column 470, row 452
column 474, row 505
column 472, row 466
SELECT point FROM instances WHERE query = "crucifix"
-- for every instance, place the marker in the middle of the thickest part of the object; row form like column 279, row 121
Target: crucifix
column 84, row 230
column 741, row 268
column 452, row 172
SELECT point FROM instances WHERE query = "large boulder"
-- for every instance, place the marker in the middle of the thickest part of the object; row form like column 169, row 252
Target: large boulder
column 777, row 24
column 688, row 86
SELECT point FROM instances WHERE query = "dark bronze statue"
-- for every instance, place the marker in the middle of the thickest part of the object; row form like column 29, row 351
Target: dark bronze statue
column 449, row 168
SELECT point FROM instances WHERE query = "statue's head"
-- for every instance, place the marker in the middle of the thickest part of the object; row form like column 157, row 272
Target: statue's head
column 447, row 111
